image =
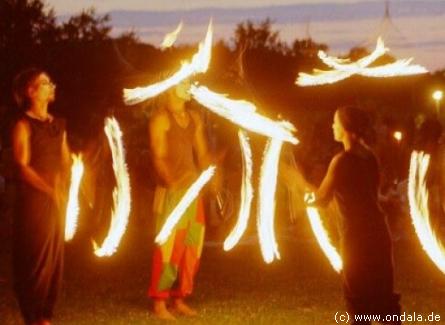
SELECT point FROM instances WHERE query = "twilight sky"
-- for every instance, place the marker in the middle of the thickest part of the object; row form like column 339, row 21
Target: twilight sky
column 416, row 29
column 63, row 6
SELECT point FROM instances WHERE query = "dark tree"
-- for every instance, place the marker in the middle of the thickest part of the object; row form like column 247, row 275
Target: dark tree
column 258, row 36
column 25, row 27
column 86, row 26
column 307, row 48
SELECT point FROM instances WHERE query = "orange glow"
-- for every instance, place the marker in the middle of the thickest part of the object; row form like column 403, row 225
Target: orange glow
column 170, row 38
column 344, row 68
column 354, row 67
column 199, row 64
column 438, row 95
column 121, row 193
column 191, row 194
column 243, row 114
column 418, row 202
column 401, row 67
column 323, row 239
column 398, row 135
column 266, row 202
column 246, row 194
column 72, row 211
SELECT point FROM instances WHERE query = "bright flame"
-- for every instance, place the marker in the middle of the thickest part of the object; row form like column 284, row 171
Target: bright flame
column 323, row 239
column 438, row 95
column 121, row 193
column 266, row 203
column 344, row 68
column 321, row 77
column 243, row 114
column 183, row 204
column 246, row 194
column 72, row 210
column 398, row 136
column 199, row 64
column 354, row 67
column 418, row 202
column 171, row 37
column 401, row 67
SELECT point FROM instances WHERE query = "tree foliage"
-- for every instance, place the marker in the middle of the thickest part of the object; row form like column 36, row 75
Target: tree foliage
column 258, row 36
column 91, row 67
column 86, row 26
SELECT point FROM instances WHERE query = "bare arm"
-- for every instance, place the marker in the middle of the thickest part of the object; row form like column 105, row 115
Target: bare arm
column 62, row 183
column 325, row 192
column 66, row 156
column 22, row 157
column 66, row 163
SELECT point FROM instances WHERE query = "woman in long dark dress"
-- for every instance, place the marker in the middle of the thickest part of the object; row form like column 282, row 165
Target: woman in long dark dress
column 353, row 181
column 41, row 156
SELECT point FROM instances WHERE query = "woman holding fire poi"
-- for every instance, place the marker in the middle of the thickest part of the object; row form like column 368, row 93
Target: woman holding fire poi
column 176, row 138
column 352, row 180
column 42, row 157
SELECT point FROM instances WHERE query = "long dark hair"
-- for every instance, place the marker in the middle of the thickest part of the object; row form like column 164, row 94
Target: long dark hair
column 20, row 86
column 356, row 122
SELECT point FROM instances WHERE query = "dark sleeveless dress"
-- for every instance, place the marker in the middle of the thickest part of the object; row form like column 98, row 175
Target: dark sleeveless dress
column 39, row 227
column 366, row 246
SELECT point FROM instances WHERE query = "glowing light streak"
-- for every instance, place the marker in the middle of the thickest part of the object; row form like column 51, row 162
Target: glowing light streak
column 246, row 194
column 266, row 203
column 121, row 193
column 418, row 202
column 190, row 195
column 243, row 114
column 323, row 239
column 344, row 68
column 72, row 211
column 199, row 64
column 171, row 37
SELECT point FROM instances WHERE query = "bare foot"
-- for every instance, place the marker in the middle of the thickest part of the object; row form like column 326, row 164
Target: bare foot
column 161, row 312
column 182, row 308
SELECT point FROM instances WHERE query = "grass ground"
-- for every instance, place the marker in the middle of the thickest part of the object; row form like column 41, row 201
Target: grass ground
column 234, row 287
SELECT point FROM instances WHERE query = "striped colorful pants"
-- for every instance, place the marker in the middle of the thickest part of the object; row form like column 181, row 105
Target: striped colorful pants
column 176, row 262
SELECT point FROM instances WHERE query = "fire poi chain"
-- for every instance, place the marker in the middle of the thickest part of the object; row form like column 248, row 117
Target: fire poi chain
column 244, row 115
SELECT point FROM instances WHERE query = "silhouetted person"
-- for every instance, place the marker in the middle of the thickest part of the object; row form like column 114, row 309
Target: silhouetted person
column 41, row 155
column 366, row 249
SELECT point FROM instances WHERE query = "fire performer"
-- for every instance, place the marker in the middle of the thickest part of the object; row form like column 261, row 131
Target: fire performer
column 42, row 157
column 353, row 181
column 176, row 138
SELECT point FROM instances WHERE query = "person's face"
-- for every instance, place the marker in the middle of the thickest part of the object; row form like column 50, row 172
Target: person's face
column 337, row 128
column 42, row 89
column 182, row 90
